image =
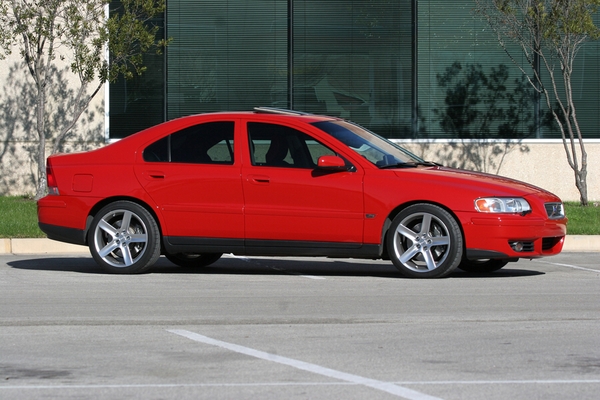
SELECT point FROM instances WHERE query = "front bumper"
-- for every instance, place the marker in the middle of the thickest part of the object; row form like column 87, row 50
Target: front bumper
column 512, row 236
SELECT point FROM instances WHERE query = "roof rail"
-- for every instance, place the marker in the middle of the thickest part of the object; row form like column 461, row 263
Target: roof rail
column 281, row 111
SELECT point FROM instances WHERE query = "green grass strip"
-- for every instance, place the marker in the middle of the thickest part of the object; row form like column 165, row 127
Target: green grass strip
column 18, row 218
column 583, row 220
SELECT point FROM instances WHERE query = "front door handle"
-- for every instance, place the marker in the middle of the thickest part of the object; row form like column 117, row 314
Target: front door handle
column 259, row 179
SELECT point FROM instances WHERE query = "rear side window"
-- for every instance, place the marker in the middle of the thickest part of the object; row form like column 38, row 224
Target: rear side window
column 209, row 143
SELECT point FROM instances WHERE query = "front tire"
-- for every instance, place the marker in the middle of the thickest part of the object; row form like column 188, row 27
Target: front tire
column 124, row 238
column 425, row 241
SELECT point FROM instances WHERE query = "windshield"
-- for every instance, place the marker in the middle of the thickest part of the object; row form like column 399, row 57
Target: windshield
column 371, row 146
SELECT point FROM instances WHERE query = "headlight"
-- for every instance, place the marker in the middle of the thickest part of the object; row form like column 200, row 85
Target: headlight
column 502, row 205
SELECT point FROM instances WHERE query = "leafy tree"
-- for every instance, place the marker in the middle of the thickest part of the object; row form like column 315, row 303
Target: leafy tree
column 50, row 34
column 550, row 33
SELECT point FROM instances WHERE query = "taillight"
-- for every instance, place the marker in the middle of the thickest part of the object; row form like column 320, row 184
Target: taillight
column 51, row 180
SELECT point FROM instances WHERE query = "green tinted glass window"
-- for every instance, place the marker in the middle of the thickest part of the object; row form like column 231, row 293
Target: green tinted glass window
column 353, row 59
column 225, row 55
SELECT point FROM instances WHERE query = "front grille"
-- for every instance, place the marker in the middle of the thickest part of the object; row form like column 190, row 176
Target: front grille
column 555, row 210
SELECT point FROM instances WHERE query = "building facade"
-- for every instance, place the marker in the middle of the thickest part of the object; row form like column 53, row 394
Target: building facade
column 427, row 73
column 407, row 69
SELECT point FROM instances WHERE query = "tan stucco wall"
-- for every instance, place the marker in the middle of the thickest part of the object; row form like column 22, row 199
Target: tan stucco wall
column 18, row 136
column 542, row 163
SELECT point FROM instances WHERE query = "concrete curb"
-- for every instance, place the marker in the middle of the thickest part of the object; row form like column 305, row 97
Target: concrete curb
column 39, row 246
column 582, row 243
column 573, row 243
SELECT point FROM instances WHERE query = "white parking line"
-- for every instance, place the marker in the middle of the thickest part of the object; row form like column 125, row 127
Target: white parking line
column 311, row 277
column 317, row 369
column 297, row 274
column 567, row 265
column 507, row 382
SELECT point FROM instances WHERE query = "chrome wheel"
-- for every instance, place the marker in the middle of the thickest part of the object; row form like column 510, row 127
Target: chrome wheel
column 124, row 238
column 425, row 241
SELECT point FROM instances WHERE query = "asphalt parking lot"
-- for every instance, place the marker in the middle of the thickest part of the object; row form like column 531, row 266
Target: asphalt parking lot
column 298, row 328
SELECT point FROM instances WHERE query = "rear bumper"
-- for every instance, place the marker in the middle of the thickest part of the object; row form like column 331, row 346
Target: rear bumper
column 62, row 234
column 63, row 218
column 512, row 236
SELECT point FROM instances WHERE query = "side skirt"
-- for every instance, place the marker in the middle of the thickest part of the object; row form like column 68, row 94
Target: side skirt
column 256, row 247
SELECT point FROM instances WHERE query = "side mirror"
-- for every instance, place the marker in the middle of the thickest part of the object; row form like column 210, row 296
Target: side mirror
column 332, row 163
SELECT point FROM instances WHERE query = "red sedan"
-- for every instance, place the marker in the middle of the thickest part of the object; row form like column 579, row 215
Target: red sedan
column 283, row 183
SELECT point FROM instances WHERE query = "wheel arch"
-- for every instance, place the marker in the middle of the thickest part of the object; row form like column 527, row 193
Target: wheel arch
column 104, row 202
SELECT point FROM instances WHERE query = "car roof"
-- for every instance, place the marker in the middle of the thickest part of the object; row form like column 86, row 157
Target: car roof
column 270, row 111
column 279, row 111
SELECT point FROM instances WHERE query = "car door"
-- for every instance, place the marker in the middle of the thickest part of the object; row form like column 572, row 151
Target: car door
column 194, row 177
column 288, row 199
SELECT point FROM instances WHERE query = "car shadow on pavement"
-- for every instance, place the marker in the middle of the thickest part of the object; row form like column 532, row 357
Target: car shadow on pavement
column 229, row 265
column 503, row 273
column 85, row 265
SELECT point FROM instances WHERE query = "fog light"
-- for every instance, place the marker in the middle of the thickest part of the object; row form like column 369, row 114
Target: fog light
column 517, row 246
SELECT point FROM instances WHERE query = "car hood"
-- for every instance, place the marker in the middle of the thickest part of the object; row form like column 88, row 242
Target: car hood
column 483, row 183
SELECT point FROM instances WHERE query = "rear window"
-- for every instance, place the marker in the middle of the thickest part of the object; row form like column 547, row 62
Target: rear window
column 209, row 143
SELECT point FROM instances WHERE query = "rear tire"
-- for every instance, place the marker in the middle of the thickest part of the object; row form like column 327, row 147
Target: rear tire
column 425, row 241
column 124, row 238
column 193, row 260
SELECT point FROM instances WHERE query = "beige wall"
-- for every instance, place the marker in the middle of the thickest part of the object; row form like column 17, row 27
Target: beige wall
column 18, row 136
column 542, row 163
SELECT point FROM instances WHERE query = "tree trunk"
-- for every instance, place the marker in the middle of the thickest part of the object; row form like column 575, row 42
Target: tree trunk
column 581, row 183
column 41, row 186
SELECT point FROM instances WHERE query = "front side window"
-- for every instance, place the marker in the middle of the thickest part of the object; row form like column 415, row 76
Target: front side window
column 280, row 146
column 209, row 143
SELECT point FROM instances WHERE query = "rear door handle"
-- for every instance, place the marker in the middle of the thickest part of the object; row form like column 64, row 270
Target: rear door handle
column 155, row 174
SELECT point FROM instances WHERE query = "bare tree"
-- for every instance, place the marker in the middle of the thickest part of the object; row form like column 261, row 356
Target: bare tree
column 550, row 33
column 52, row 33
